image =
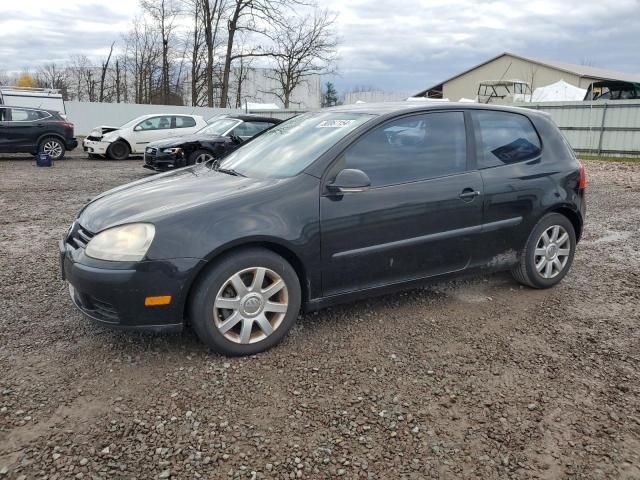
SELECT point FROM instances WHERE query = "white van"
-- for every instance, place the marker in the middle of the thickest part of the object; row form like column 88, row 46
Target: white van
column 41, row 98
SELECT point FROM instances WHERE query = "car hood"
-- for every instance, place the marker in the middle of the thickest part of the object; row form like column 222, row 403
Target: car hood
column 177, row 141
column 152, row 199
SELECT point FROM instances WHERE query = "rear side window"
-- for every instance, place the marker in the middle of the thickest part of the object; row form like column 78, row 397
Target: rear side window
column 410, row 149
column 24, row 115
column 505, row 138
column 185, row 122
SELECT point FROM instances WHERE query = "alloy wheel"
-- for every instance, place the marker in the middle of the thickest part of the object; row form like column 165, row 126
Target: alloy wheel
column 203, row 158
column 552, row 251
column 52, row 148
column 251, row 305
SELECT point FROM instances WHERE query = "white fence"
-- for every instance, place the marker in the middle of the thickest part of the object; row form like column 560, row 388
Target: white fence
column 599, row 128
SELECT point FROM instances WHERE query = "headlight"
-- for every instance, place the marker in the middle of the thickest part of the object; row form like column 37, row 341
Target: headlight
column 173, row 151
column 110, row 137
column 121, row 244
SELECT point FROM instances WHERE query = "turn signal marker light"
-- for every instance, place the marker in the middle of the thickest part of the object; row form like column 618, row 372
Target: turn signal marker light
column 155, row 301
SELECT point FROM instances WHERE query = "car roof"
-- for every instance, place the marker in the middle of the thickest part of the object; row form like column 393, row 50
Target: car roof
column 253, row 118
column 389, row 108
column 149, row 115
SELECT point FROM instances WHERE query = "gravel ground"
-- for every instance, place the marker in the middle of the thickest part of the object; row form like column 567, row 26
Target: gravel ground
column 477, row 378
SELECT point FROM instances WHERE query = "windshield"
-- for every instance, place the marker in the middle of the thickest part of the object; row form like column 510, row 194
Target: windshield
column 219, row 127
column 290, row 147
column 133, row 122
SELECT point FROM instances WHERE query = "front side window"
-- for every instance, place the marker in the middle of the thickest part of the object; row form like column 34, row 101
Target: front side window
column 155, row 123
column 505, row 138
column 410, row 149
column 184, row 122
column 288, row 148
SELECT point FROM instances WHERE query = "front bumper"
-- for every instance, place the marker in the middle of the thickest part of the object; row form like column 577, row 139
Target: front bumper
column 94, row 146
column 71, row 144
column 114, row 294
column 160, row 161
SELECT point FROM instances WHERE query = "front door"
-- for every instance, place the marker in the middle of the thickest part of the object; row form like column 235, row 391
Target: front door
column 420, row 215
column 150, row 130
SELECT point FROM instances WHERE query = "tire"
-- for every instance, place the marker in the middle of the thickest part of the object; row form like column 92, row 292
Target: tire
column 532, row 269
column 253, row 322
column 199, row 156
column 118, row 150
column 53, row 146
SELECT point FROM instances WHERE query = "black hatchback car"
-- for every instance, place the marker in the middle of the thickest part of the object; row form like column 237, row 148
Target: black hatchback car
column 222, row 136
column 32, row 130
column 329, row 207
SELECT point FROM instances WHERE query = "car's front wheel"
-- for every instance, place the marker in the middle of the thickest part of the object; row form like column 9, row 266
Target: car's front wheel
column 52, row 146
column 548, row 254
column 118, row 150
column 246, row 303
column 200, row 156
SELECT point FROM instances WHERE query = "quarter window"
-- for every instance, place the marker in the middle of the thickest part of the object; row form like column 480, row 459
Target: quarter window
column 185, row 122
column 505, row 138
column 411, row 149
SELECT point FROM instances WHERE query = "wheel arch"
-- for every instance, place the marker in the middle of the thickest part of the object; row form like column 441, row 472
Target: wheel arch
column 574, row 217
column 51, row 134
column 123, row 139
column 268, row 244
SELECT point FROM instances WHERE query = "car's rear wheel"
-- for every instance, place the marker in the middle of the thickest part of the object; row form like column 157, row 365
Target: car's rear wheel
column 200, row 156
column 52, row 146
column 548, row 254
column 246, row 303
column 118, row 150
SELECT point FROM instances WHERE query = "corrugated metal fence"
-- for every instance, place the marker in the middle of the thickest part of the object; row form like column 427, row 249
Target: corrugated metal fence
column 598, row 128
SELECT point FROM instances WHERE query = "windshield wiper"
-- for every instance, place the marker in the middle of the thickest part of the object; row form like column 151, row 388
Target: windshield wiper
column 230, row 171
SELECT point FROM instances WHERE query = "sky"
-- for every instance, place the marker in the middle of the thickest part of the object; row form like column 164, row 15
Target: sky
column 403, row 45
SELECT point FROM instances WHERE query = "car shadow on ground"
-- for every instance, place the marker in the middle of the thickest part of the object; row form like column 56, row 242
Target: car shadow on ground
column 313, row 324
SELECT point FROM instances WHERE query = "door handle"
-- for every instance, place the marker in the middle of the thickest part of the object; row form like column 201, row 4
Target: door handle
column 469, row 194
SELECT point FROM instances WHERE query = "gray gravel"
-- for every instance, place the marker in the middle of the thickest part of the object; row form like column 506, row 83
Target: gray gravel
column 472, row 379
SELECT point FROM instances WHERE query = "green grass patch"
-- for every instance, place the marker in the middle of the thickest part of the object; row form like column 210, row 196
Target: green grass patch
column 609, row 159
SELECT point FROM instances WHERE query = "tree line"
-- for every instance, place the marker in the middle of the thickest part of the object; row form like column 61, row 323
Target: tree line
column 200, row 52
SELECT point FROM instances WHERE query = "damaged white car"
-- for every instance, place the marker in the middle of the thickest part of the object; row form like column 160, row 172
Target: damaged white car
column 118, row 143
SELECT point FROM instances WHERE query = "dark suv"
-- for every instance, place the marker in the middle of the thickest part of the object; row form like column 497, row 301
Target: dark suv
column 219, row 138
column 33, row 130
column 328, row 207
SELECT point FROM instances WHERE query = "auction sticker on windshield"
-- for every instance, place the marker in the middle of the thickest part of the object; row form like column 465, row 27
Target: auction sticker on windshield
column 334, row 123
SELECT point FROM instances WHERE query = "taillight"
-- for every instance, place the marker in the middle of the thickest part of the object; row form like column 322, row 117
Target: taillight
column 583, row 177
column 67, row 125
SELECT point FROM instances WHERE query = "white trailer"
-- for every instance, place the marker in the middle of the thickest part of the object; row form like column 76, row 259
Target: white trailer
column 44, row 98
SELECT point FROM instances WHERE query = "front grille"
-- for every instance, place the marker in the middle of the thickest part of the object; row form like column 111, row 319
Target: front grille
column 94, row 138
column 79, row 237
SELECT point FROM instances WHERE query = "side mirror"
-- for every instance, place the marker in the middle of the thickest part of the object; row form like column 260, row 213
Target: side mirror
column 137, row 128
column 350, row 180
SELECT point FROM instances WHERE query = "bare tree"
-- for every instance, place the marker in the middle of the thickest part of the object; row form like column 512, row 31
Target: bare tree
column 50, row 75
column 165, row 13
column 212, row 11
column 304, row 47
column 103, row 74
column 249, row 16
